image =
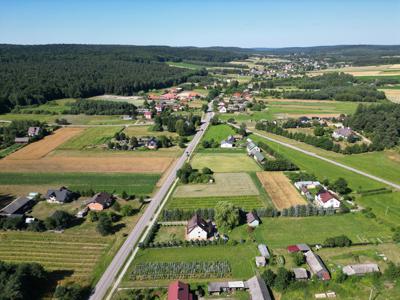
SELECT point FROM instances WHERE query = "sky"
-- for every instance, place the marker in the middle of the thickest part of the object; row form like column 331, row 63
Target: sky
column 242, row 23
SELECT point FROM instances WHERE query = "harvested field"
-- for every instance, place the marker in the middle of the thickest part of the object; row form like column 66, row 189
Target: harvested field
column 226, row 184
column 392, row 94
column 280, row 189
column 88, row 164
column 41, row 148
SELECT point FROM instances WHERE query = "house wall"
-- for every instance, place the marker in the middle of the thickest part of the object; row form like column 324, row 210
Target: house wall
column 197, row 234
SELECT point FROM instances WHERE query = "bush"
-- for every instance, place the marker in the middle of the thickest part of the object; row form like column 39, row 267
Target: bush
column 59, row 220
column 104, row 226
column 338, row 241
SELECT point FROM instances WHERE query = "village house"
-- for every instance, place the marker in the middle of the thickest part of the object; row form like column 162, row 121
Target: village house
column 18, row 207
column 33, row 131
column 326, row 199
column 82, row 213
column 300, row 274
column 252, row 219
column 251, row 147
column 152, row 144
column 198, row 229
column 228, row 143
column 127, row 117
column 178, row 290
column 222, row 109
column 344, row 133
column 317, row 266
column 60, row 196
column 304, row 186
column 100, row 201
column 360, row 269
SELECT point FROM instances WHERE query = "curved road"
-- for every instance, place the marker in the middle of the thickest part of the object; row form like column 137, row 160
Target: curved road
column 392, row 184
column 107, row 280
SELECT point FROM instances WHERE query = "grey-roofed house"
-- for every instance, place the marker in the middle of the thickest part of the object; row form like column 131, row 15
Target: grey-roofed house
column 61, row 195
column 317, row 266
column 360, row 269
column 198, row 229
column 300, row 274
column 264, row 250
column 303, row 247
column 258, row 289
column 18, row 207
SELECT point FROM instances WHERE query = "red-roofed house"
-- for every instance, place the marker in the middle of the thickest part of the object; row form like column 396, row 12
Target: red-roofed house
column 179, row 291
column 326, row 199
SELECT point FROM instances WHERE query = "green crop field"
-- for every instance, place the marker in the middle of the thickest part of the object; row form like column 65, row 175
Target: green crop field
column 226, row 184
column 90, row 137
column 191, row 203
column 138, row 184
column 218, row 132
column 73, row 255
column 281, row 232
column 225, row 162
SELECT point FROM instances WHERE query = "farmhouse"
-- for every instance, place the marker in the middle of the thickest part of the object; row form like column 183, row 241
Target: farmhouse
column 33, row 131
column 228, row 143
column 258, row 289
column 18, row 207
column 61, row 195
column 299, row 247
column 198, row 229
column 252, row 219
column 178, row 290
column 127, row 117
column 360, row 269
column 326, row 199
column 317, row 266
column 300, row 274
column 344, row 133
column 100, row 201
column 226, row 286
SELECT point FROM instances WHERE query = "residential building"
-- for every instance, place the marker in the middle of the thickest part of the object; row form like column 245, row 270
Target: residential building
column 252, row 219
column 33, row 131
column 147, row 115
column 198, row 229
column 222, row 109
column 360, row 269
column 60, row 196
column 317, row 266
column 21, row 140
column 178, row 290
column 228, row 143
column 344, row 133
column 100, row 201
column 251, row 147
column 258, row 157
column 326, row 199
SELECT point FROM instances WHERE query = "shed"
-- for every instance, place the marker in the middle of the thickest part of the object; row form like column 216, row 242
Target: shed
column 258, row 289
column 264, row 250
column 360, row 269
column 300, row 274
column 21, row 140
column 260, row 261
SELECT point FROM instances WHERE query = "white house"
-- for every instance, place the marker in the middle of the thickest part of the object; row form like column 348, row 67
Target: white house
column 222, row 109
column 326, row 199
column 228, row 143
column 252, row 219
column 198, row 229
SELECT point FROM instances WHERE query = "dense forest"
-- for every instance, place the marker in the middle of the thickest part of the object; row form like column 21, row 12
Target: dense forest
column 37, row 74
column 381, row 123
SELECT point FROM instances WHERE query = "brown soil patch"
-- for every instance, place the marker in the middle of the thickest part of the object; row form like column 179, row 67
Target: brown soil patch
column 283, row 194
column 41, row 148
column 88, row 164
column 392, row 94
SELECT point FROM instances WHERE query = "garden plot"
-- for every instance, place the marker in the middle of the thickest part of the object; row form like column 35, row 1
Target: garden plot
column 280, row 189
column 226, row 184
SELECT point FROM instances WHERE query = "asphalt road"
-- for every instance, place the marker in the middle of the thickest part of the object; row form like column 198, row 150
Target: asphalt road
column 106, row 281
column 389, row 183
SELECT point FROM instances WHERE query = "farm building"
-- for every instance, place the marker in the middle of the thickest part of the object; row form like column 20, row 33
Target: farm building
column 178, row 290
column 300, row 274
column 252, row 219
column 60, row 196
column 251, row 147
column 264, row 251
column 100, row 201
column 258, row 157
column 198, row 229
column 21, row 140
column 317, row 266
column 225, row 286
column 18, row 207
column 360, row 269
column 83, row 212
column 260, row 261
column 258, row 289
column 344, row 133
column 326, row 199
column 298, row 247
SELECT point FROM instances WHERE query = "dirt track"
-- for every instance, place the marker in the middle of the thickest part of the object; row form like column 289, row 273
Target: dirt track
column 43, row 147
column 283, row 194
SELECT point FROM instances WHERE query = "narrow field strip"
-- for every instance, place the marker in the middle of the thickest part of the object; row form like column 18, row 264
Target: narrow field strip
column 245, row 202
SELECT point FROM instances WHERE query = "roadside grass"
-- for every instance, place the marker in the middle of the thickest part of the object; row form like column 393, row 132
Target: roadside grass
column 226, row 184
column 218, row 132
column 93, row 136
column 283, row 231
column 135, row 184
column 225, row 162
column 323, row 170
column 193, row 203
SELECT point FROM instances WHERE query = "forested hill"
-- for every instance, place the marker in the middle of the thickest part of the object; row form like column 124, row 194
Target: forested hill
column 36, row 74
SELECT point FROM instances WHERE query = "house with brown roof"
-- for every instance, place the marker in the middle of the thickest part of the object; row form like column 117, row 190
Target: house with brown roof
column 198, row 229
column 326, row 199
column 178, row 290
column 100, row 201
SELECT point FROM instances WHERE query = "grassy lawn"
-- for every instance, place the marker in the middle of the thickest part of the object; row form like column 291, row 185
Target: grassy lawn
column 225, row 162
column 170, row 233
column 226, row 184
column 93, row 136
column 138, row 184
column 323, row 169
column 218, row 132
column 281, row 232
column 189, row 203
